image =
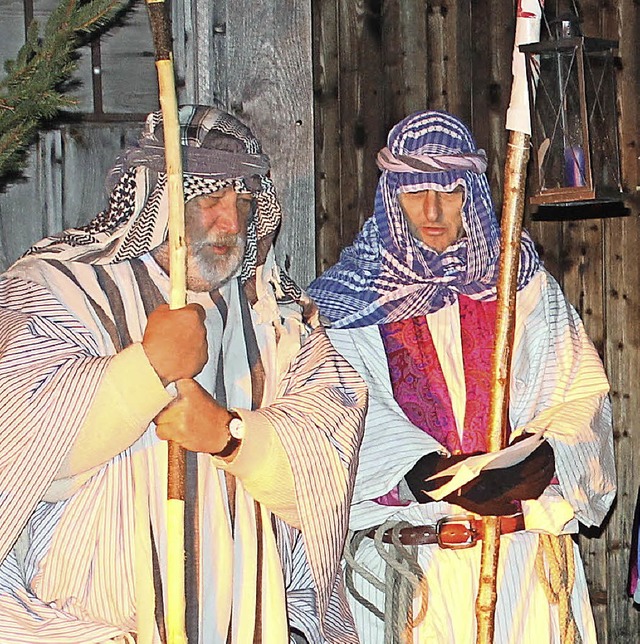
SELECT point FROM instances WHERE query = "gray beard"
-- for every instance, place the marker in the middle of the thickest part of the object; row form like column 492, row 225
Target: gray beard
column 207, row 271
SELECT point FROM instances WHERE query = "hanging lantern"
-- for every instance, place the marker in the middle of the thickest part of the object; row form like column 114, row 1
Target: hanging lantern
column 575, row 156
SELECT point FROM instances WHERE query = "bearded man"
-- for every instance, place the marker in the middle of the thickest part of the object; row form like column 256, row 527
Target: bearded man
column 242, row 377
column 412, row 305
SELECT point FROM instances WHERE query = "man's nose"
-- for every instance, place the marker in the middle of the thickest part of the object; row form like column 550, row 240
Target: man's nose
column 228, row 219
column 430, row 206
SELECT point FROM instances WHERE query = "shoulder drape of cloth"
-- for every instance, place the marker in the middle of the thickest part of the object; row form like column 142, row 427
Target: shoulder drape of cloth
column 92, row 567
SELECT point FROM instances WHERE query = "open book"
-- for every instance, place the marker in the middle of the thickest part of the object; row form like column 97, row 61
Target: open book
column 467, row 470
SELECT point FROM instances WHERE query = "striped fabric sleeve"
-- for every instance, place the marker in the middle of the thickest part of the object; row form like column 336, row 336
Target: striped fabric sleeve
column 559, row 386
column 263, row 467
column 49, row 374
column 391, row 443
column 319, row 417
column 129, row 396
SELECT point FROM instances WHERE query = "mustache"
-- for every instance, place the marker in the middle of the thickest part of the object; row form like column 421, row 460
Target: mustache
column 231, row 240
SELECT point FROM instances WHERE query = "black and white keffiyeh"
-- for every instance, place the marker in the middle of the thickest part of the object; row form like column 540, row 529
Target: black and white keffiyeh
column 136, row 219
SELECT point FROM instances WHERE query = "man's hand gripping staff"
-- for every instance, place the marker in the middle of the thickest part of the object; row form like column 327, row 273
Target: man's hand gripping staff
column 175, row 341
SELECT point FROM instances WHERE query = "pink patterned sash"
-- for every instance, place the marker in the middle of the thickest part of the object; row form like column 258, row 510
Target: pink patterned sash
column 419, row 385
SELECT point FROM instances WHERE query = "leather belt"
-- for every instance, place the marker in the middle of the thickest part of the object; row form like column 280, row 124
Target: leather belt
column 456, row 531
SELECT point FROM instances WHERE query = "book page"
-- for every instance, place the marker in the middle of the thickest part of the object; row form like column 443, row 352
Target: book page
column 467, row 470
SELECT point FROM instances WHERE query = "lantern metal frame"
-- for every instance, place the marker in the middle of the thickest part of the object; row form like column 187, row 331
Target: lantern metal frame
column 574, row 49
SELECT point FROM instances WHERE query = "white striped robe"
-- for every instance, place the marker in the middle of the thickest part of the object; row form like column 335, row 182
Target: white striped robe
column 92, row 567
column 557, row 385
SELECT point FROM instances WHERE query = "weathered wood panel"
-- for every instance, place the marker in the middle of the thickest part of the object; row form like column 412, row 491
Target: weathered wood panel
column 404, row 32
column 622, row 279
column 12, row 22
column 448, row 53
column 329, row 174
column 492, row 35
column 350, row 117
column 21, row 216
column 583, row 284
column 200, row 51
column 548, row 237
column 126, row 50
column 63, row 185
column 622, row 285
column 362, row 108
column 89, row 153
column 255, row 60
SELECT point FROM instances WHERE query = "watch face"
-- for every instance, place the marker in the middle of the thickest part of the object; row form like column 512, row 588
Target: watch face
column 236, row 427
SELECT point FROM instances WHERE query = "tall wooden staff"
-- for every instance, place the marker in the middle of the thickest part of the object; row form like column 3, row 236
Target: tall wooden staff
column 519, row 125
column 161, row 31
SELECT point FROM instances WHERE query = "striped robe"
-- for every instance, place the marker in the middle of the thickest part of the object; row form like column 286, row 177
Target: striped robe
column 557, row 386
column 91, row 567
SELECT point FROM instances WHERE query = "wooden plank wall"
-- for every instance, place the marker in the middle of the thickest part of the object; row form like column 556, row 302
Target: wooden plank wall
column 254, row 59
column 376, row 61
column 64, row 185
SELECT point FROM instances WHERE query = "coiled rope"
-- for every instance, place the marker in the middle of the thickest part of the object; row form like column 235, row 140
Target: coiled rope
column 403, row 581
column 557, row 551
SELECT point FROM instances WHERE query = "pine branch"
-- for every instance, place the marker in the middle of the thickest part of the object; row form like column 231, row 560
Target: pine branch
column 33, row 90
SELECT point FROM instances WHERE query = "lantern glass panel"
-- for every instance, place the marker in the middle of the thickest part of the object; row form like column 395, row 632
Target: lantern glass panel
column 561, row 134
column 601, row 109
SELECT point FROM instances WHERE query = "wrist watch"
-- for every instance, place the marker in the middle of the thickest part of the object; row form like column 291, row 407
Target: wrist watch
column 235, row 426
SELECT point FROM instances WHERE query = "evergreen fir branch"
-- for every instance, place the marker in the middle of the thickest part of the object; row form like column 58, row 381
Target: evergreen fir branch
column 33, row 90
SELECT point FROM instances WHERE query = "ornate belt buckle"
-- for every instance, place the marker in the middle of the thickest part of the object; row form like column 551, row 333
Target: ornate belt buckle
column 462, row 524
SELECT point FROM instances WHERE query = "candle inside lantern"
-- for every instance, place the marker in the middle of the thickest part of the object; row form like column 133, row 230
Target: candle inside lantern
column 574, row 174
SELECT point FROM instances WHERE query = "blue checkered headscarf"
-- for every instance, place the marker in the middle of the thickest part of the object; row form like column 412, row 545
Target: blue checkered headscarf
column 387, row 274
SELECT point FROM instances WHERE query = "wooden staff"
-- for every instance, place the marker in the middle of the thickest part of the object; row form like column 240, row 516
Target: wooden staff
column 512, row 209
column 515, row 175
column 161, row 31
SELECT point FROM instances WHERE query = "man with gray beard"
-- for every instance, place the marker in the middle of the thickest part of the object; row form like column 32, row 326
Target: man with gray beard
column 216, row 229
column 96, row 372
